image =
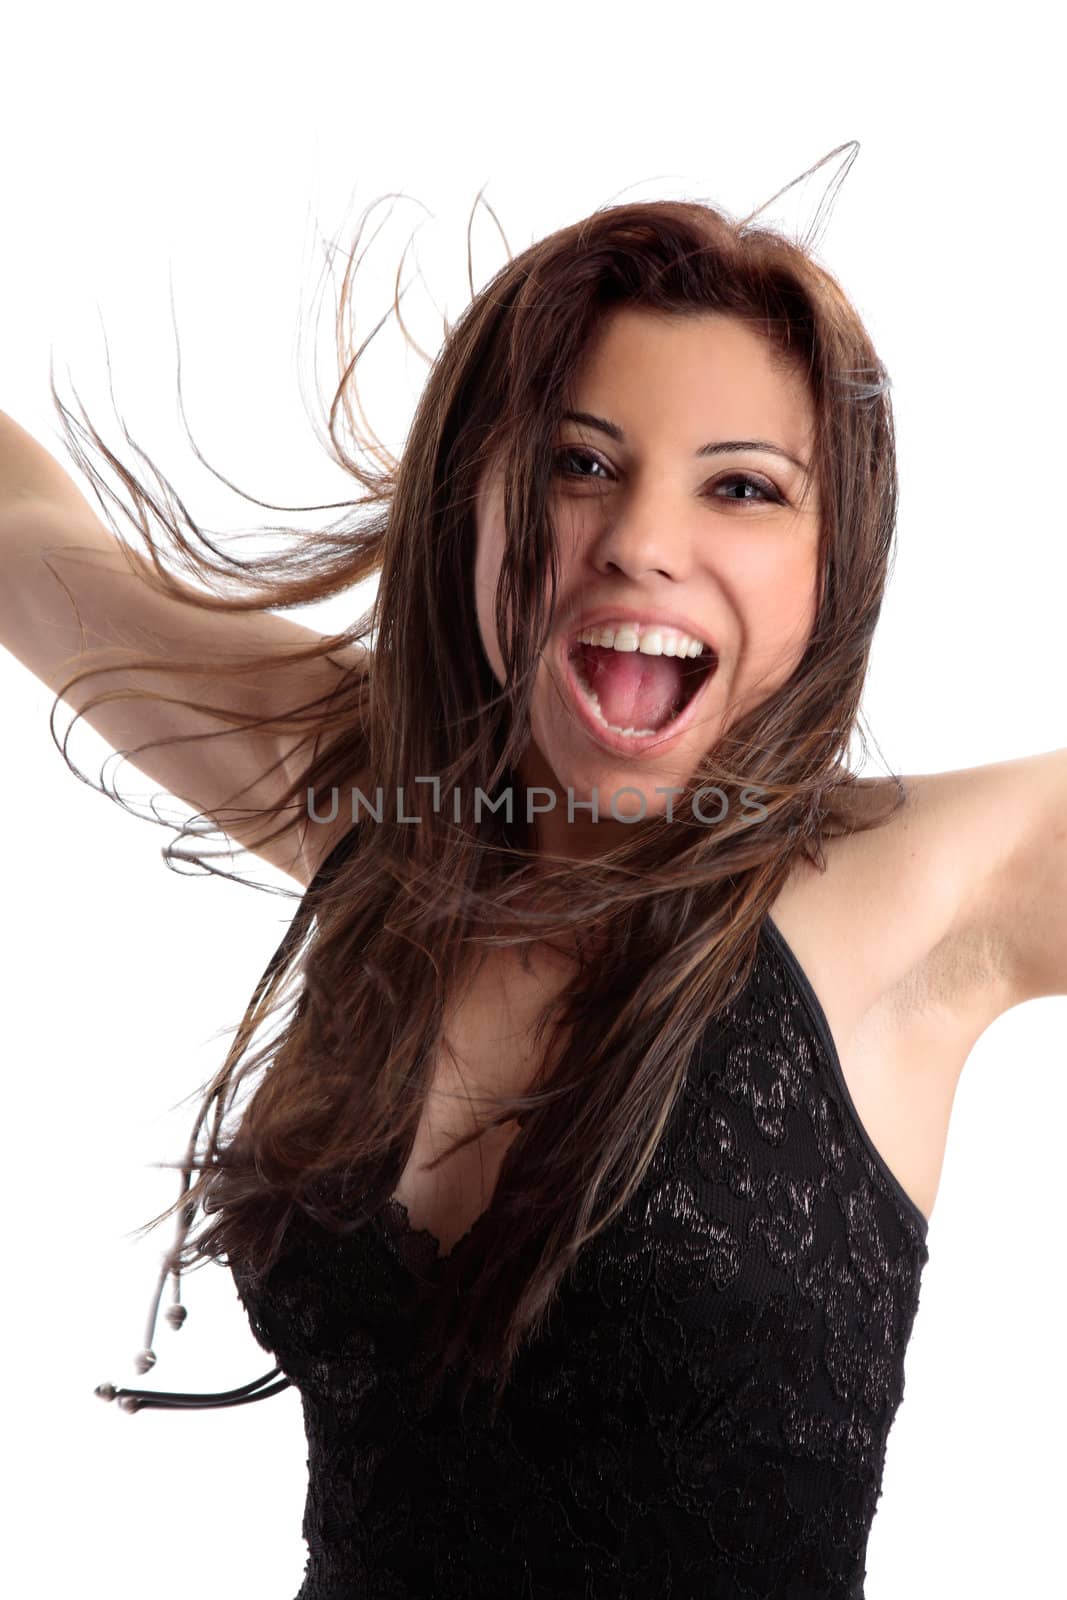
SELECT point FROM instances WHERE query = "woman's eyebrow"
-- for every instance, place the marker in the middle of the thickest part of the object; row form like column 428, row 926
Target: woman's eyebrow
column 722, row 447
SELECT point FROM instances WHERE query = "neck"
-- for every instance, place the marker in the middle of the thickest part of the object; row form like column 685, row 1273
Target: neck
column 552, row 834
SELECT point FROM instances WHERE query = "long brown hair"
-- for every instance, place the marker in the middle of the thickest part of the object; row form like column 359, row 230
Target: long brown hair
column 665, row 924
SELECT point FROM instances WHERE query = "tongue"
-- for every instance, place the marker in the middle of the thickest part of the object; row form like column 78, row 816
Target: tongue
column 634, row 690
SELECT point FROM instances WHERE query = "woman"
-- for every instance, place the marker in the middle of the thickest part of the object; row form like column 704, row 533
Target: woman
column 584, row 1197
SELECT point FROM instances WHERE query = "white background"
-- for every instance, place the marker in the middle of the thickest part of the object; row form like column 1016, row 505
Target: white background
column 220, row 143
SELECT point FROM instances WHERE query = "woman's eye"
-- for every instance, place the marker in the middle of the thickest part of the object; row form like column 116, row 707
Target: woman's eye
column 738, row 487
column 741, row 481
column 576, row 455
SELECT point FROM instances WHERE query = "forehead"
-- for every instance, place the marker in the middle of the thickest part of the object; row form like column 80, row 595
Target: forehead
column 691, row 374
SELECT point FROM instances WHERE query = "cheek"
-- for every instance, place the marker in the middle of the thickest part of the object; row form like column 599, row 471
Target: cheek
column 798, row 607
column 781, row 613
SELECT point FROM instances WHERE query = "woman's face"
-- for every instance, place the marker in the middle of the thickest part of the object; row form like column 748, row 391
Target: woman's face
column 690, row 510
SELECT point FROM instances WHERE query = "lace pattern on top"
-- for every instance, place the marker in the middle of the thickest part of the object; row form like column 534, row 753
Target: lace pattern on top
column 707, row 1414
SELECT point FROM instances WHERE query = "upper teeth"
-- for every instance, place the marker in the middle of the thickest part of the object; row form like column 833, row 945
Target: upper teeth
column 650, row 641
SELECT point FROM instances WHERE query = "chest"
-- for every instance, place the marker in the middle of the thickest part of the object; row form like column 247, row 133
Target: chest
column 488, row 1046
column 902, row 1010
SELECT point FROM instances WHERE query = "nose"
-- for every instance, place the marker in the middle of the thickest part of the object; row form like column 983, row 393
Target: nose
column 651, row 534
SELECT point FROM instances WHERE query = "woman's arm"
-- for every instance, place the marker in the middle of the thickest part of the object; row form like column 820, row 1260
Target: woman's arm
column 1029, row 904
column 66, row 587
column 1003, row 829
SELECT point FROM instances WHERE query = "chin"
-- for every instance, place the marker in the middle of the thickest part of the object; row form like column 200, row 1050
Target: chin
column 627, row 782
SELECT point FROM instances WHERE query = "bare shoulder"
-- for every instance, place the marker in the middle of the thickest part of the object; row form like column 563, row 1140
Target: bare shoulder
column 919, row 915
column 925, row 929
column 1000, row 833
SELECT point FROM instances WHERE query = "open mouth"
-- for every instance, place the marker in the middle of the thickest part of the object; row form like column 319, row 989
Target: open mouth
column 637, row 696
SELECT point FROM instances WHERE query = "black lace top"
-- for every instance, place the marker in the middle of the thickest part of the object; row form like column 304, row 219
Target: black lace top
column 708, row 1415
